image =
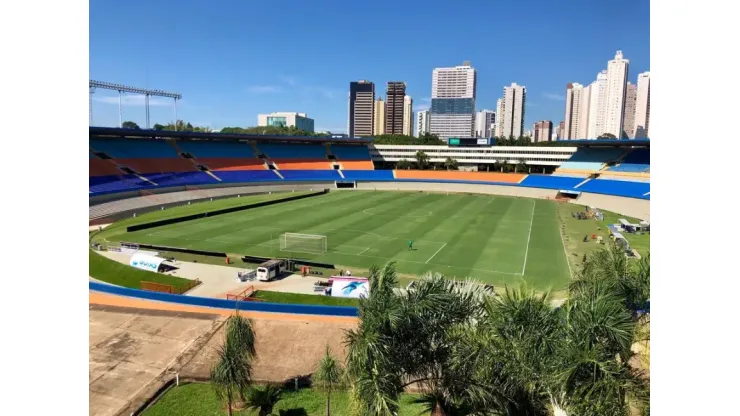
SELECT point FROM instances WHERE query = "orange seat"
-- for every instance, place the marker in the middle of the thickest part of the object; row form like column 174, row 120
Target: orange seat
column 456, row 175
column 102, row 167
column 357, row 165
column 158, row 165
column 222, row 163
column 303, row 164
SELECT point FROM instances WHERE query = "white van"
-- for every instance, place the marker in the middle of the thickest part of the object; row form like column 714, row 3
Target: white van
column 269, row 270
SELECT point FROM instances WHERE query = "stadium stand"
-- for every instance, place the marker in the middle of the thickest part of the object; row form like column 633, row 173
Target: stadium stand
column 591, row 159
column 293, row 151
column 160, row 165
column 637, row 160
column 220, row 164
column 237, row 176
column 368, row 175
column 177, row 179
column 101, row 167
column 356, row 164
column 111, row 184
column 131, row 148
column 346, row 152
column 207, row 149
column 551, row 182
column 452, row 175
column 619, row 188
column 302, row 164
column 303, row 175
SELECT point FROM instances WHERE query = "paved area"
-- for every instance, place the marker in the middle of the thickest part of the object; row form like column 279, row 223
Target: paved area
column 218, row 281
column 132, row 352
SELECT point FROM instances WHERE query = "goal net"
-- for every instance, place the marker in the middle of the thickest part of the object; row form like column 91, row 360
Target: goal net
column 303, row 243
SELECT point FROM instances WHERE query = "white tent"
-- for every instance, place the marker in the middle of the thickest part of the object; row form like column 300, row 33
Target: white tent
column 145, row 262
column 349, row 287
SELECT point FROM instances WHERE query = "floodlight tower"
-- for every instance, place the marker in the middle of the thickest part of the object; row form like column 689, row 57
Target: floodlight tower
column 123, row 89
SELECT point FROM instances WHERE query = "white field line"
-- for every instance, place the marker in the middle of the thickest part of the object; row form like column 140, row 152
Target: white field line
column 526, row 252
column 435, row 253
column 490, row 201
column 363, row 251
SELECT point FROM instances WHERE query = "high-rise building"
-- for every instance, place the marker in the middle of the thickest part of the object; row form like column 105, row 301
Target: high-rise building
column 379, row 115
column 583, row 117
column 485, row 120
column 596, row 106
column 560, row 130
column 630, row 102
column 394, row 97
column 453, row 101
column 298, row 120
column 408, row 116
column 511, row 115
column 573, row 102
column 616, row 89
column 361, row 114
column 499, row 132
column 542, row 131
column 642, row 106
column 422, row 125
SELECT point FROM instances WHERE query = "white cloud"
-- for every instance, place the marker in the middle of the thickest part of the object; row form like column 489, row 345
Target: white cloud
column 134, row 100
column 290, row 80
column 551, row 96
column 264, row 89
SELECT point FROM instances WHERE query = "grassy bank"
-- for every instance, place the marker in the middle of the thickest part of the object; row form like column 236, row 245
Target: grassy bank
column 111, row 271
column 297, row 298
column 197, row 399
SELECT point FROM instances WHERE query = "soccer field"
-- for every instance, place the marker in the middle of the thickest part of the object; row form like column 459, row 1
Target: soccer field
column 494, row 239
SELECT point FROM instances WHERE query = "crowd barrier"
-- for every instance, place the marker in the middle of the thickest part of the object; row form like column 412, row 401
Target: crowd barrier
column 323, row 310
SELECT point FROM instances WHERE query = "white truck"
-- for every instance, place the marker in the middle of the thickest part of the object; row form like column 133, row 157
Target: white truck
column 269, row 270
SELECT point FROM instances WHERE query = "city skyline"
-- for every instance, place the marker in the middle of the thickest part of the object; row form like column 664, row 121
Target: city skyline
column 261, row 75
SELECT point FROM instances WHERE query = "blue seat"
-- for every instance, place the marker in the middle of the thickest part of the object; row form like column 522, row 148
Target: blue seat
column 131, row 148
column 310, row 175
column 181, row 178
column 239, row 176
column 293, row 151
column 202, row 149
column 551, row 182
column 618, row 188
column 347, row 152
column 368, row 175
column 587, row 158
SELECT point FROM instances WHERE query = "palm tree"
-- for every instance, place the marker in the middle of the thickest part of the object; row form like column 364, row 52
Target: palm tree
column 329, row 376
column 231, row 375
column 264, row 399
column 422, row 160
column 240, row 334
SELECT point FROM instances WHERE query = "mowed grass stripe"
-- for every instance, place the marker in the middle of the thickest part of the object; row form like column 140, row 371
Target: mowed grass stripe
column 547, row 265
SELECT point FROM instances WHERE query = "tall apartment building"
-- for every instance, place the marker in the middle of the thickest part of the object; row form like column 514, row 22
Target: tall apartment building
column 422, row 122
column 408, row 116
column 542, row 131
column 573, row 102
column 560, row 129
column 379, row 115
column 485, row 121
column 394, row 96
column 361, row 118
column 596, row 106
column 511, row 115
column 642, row 106
column 297, row 120
column 630, row 103
column 499, row 131
column 452, row 113
column 616, row 87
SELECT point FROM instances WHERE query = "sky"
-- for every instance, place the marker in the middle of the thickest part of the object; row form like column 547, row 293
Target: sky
column 232, row 60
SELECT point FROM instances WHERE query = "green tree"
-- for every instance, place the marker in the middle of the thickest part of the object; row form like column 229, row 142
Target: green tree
column 422, row 160
column 329, row 377
column 605, row 136
column 404, row 164
column 263, row 399
column 450, row 164
column 521, row 166
column 130, row 125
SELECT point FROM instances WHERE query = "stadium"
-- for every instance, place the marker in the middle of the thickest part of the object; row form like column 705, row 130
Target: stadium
column 201, row 210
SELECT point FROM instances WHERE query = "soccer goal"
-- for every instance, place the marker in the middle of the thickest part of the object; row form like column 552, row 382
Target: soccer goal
column 303, row 243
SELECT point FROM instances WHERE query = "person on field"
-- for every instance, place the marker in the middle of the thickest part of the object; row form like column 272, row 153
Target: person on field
column 411, row 245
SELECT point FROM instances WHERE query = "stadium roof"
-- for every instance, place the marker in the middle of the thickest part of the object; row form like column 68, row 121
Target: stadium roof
column 610, row 143
column 103, row 132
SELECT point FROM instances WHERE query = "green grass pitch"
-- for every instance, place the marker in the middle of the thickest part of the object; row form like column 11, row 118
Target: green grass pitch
column 494, row 239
